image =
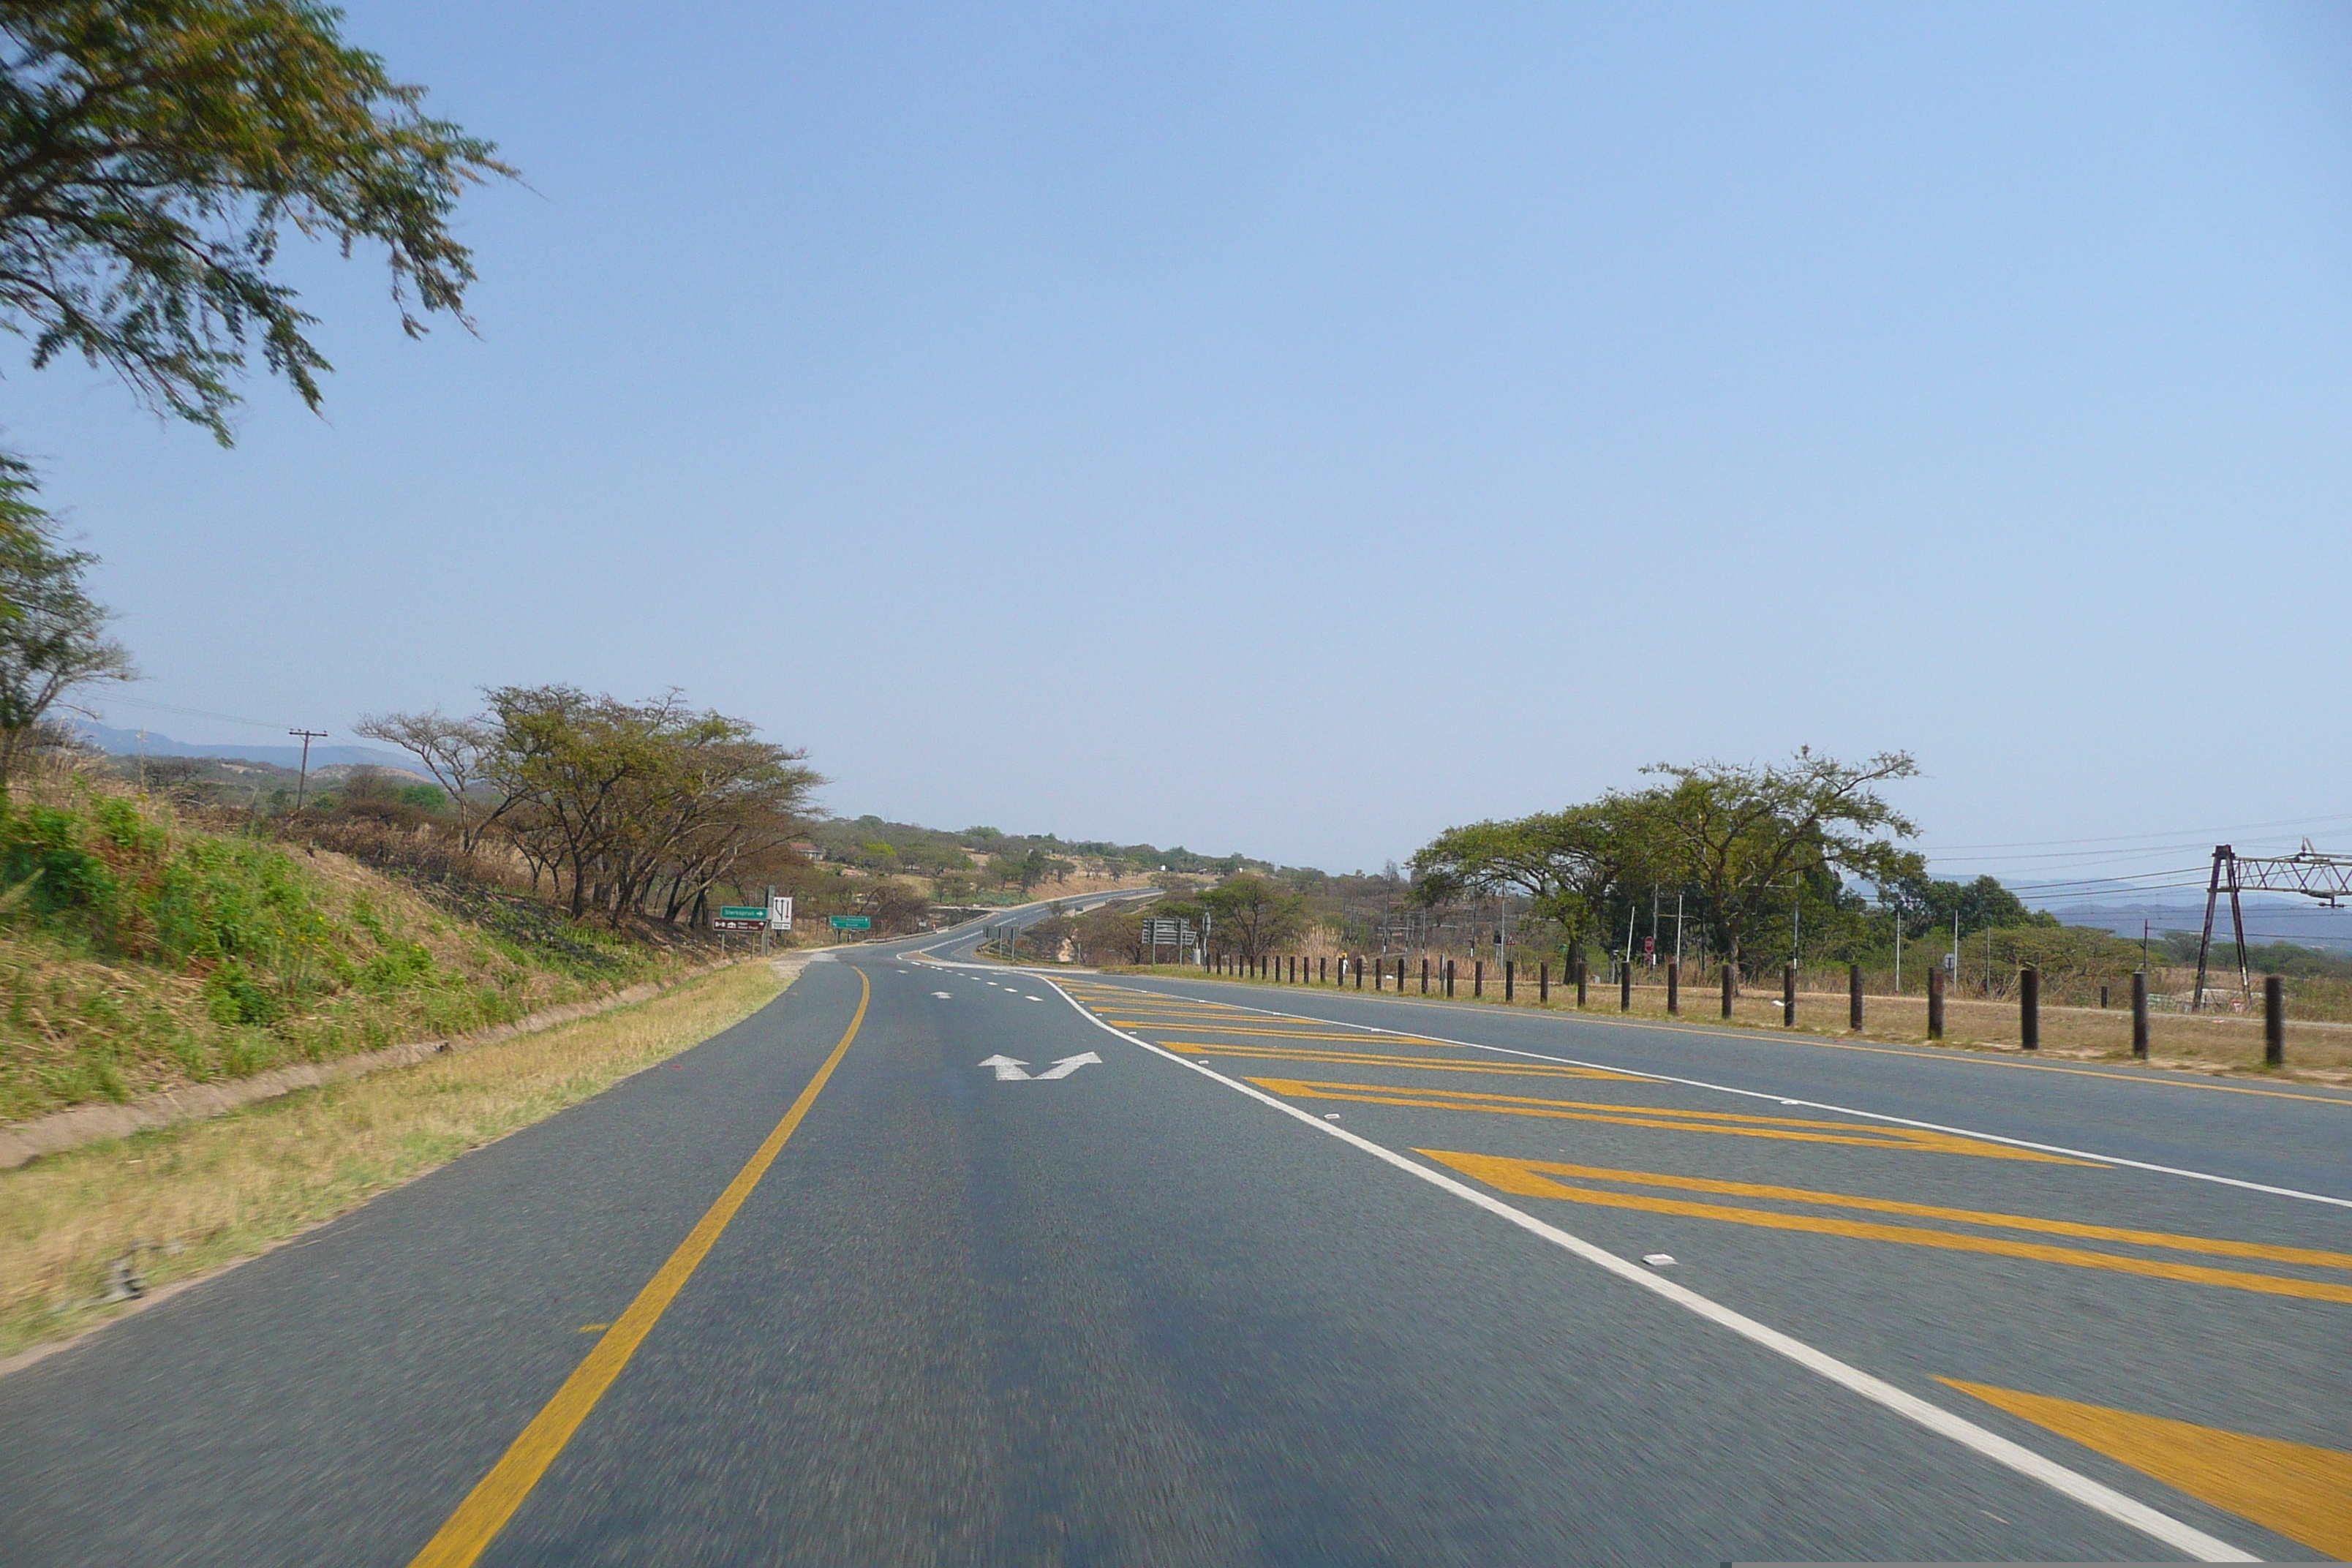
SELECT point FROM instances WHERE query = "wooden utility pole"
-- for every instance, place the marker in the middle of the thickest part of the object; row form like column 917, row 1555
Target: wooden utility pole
column 302, row 780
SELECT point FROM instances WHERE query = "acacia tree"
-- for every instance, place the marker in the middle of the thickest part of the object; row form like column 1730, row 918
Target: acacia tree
column 622, row 799
column 1741, row 835
column 1252, row 915
column 451, row 750
column 717, row 799
column 1568, row 864
column 53, row 636
column 559, row 760
column 154, row 153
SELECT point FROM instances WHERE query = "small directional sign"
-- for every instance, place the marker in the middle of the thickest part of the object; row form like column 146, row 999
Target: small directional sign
column 1009, row 1070
column 737, row 917
column 853, row 923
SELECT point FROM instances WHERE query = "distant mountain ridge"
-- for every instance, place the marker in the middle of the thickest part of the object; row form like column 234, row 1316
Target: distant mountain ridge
column 117, row 743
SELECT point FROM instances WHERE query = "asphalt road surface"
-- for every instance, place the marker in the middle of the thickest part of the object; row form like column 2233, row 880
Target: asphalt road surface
column 937, row 1262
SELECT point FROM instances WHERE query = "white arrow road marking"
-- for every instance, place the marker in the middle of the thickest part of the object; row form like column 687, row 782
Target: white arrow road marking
column 1011, row 1070
column 942, row 995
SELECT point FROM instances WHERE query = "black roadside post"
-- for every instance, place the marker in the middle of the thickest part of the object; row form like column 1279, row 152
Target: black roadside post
column 1730, row 984
column 1543, row 982
column 1853, row 997
column 1789, row 996
column 2274, row 1021
column 1399, row 976
column 1625, row 986
column 1673, row 986
column 1449, row 979
column 1507, row 977
column 1359, row 972
column 1935, row 1004
column 1477, row 977
column 1322, row 971
column 2103, row 998
column 2139, row 1014
column 1424, row 976
column 2029, row 1008
column 1380, row 975
column 1583, row 977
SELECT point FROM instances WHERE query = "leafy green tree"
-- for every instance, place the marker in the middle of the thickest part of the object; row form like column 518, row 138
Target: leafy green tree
column 1747, row 838
column 1571, row 865
column 624, row 799
column 1026, row 870
column 1252, row 916
column 153, row 154
column 53, row 637
column 1928, row 905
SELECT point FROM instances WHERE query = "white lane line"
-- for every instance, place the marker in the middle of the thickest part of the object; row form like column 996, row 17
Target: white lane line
column 2072, row 1484
column 1808, row 1104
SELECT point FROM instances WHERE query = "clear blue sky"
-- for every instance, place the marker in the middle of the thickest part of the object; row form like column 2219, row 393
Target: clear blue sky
column 1299, row 430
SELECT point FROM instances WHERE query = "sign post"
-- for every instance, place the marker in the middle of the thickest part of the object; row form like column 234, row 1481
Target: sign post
column 746, row 919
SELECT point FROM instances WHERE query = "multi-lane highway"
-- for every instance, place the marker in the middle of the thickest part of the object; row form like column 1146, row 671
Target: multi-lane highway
column 936, row 1261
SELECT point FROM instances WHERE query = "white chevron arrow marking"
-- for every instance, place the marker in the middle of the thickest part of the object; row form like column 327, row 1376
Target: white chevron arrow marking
column 1010, row 1070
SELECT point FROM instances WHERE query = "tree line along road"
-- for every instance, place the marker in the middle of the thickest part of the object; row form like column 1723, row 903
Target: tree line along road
column 938, row 1261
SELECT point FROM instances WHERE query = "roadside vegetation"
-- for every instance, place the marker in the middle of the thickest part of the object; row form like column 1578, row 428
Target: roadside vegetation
column 983, row 868
column 1754, row 868
column 142, row 949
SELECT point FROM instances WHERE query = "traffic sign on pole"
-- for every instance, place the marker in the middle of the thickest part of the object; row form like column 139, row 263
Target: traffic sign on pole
column 853, row 923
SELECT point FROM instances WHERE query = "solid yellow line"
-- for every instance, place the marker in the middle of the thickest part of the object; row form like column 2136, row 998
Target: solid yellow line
column 1909, row 1236
column 469, row 1530
column 2311, row 1257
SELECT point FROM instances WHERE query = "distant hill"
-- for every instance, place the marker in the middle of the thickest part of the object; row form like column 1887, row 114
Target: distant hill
column 148, row 742
column 2269, row 918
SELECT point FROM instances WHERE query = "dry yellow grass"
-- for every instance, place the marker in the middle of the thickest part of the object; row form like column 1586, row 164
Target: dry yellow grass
column 192, row 1198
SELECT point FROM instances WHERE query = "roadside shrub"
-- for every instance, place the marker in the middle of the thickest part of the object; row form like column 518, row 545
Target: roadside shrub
column 44, row 850
column 233, row 996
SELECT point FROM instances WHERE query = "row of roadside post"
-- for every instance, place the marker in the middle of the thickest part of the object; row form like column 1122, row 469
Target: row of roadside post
column 1438, row 978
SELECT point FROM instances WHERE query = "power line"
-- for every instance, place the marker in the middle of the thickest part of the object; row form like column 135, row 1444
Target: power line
column 2197, row 835
column 192, row 712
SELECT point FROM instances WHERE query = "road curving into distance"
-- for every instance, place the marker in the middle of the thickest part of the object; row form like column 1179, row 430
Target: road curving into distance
column 935, row 1260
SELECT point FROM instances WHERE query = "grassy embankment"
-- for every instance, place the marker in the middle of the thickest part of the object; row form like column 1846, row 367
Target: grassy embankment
column 140, row 953
column 2315, row 1050
column 180, row 1201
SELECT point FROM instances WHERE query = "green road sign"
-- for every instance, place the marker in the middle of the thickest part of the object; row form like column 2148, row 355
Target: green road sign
column 853, row 923
column 738, row 912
